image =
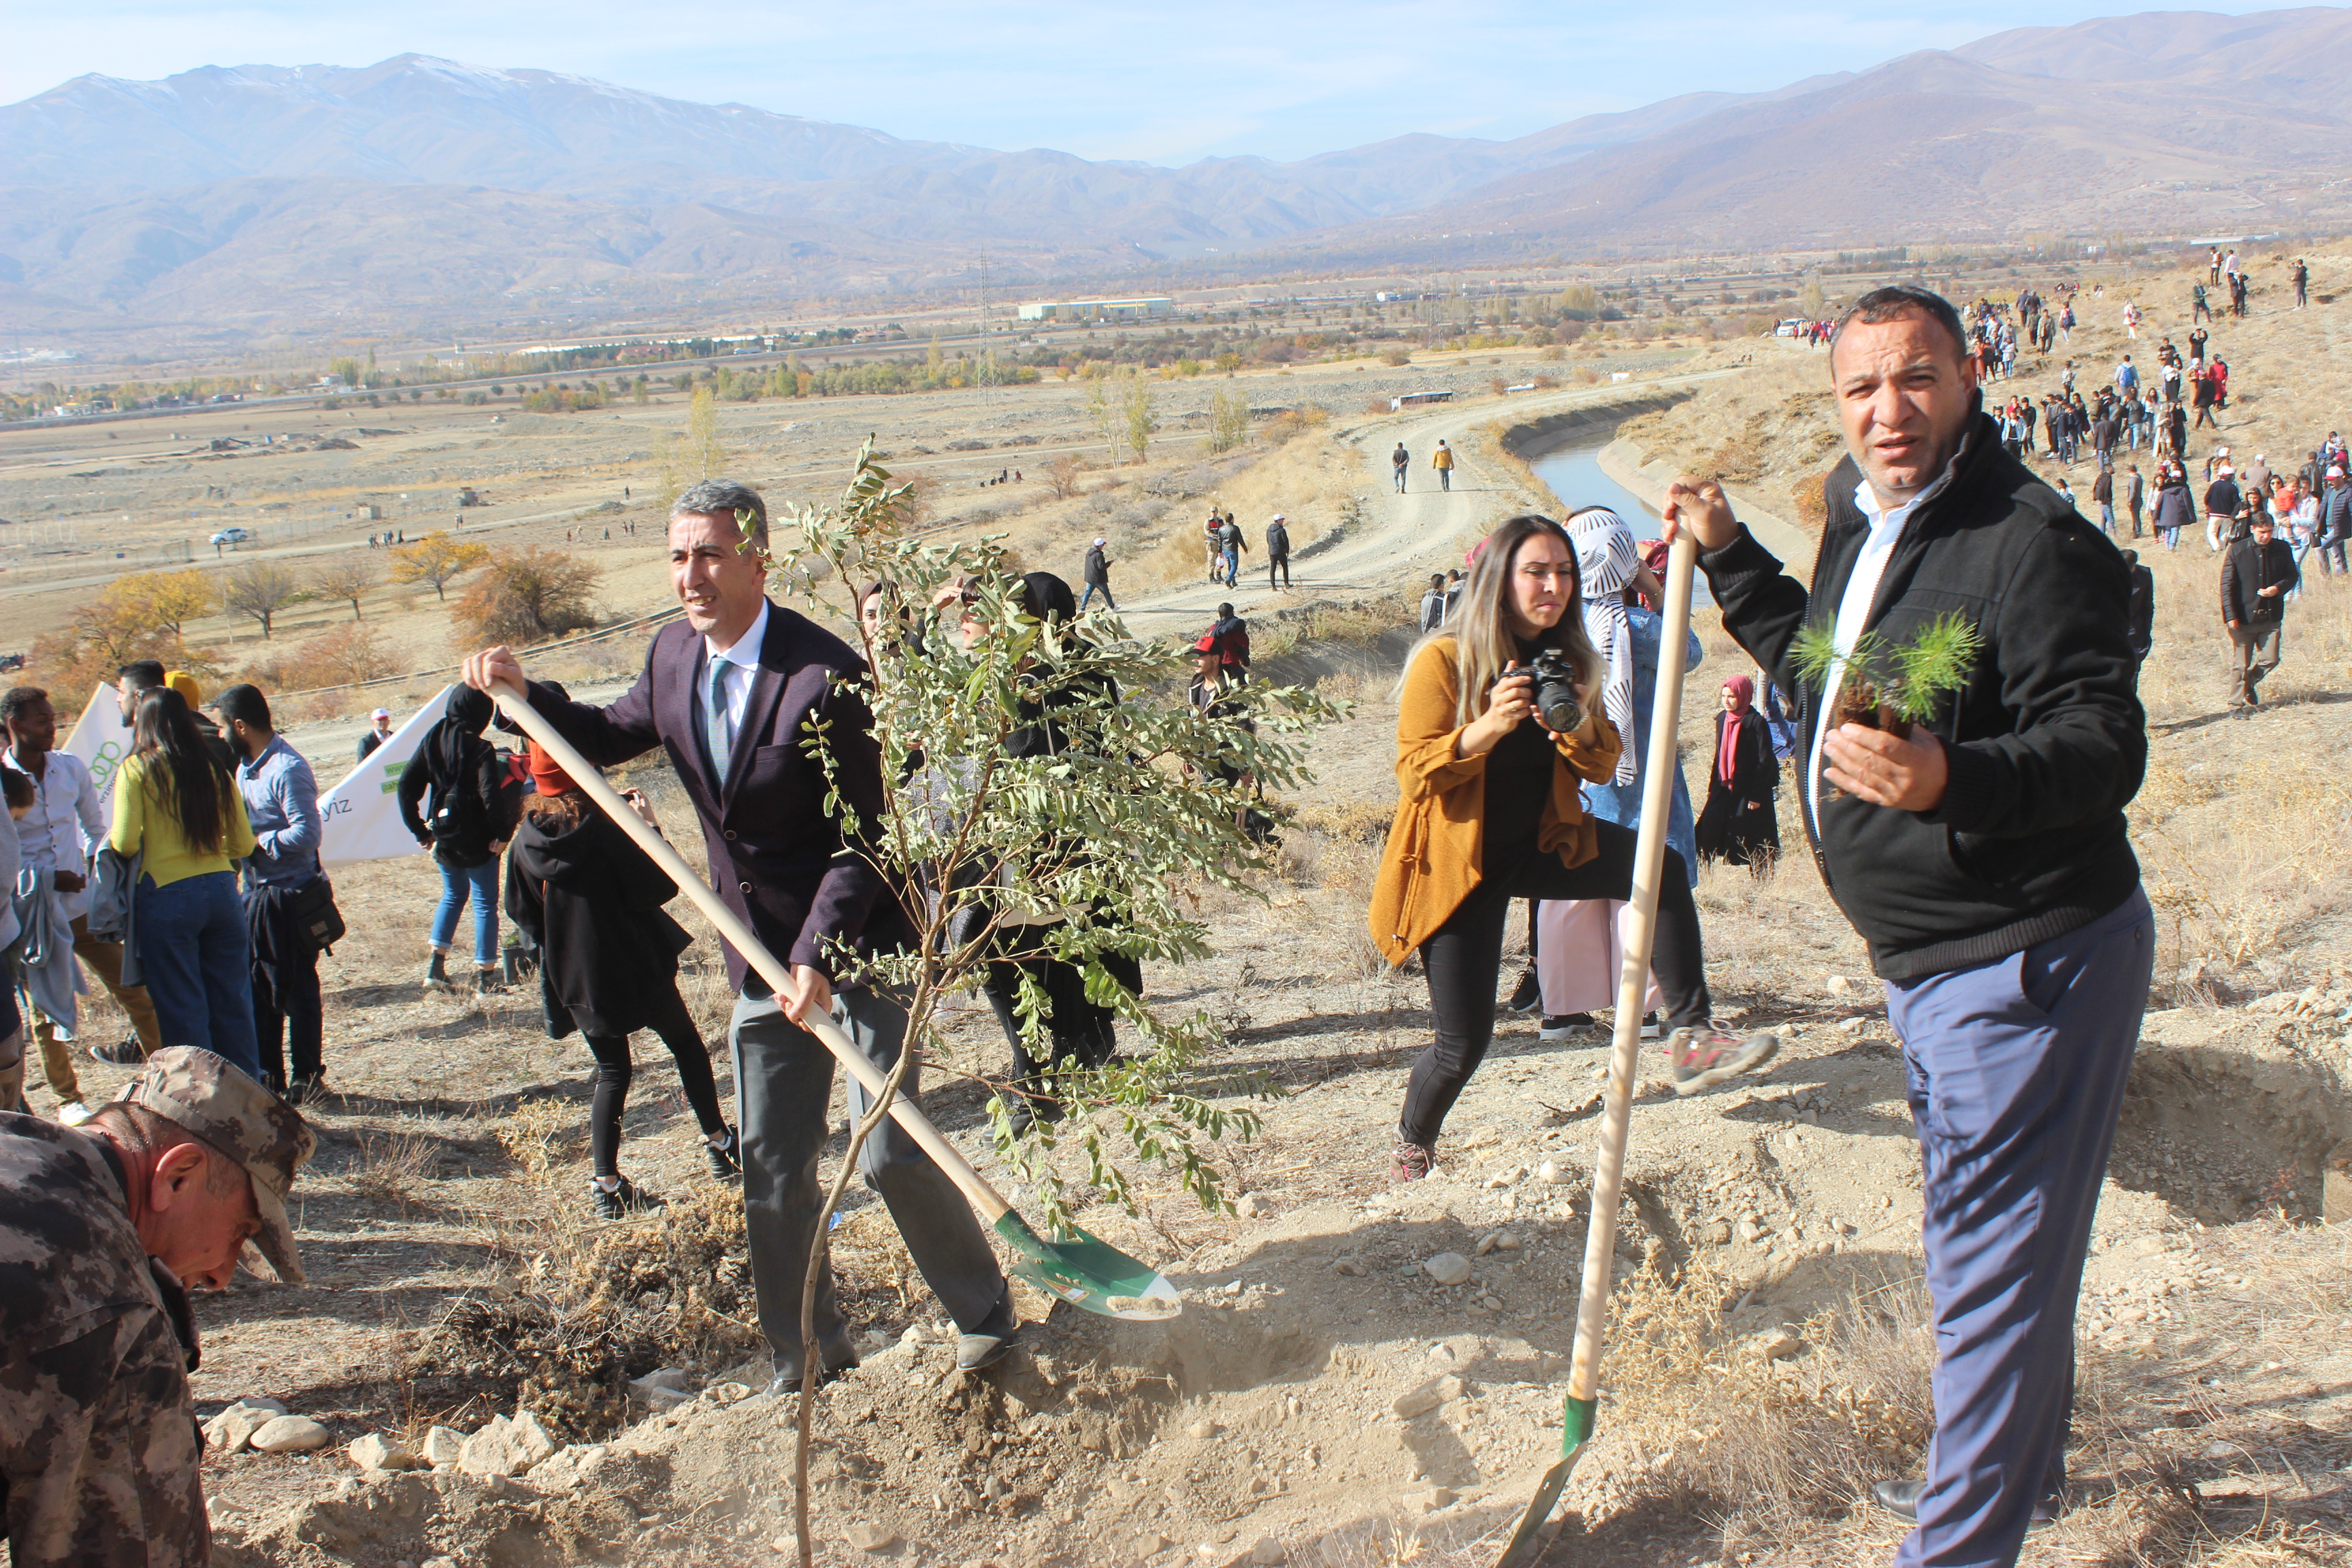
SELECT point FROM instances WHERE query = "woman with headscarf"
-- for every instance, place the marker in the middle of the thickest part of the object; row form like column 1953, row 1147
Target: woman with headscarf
column 592, row 900
column 1740, row 824
column 466, row 824
column 1627, row 634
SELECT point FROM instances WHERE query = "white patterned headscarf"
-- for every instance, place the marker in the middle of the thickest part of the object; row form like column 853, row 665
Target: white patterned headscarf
column 1606, row 560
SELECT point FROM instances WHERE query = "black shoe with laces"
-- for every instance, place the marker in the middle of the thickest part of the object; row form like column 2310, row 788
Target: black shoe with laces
column 1563, row 1025
column 127, row 1053
column 726, row 1159
column 621, row 1202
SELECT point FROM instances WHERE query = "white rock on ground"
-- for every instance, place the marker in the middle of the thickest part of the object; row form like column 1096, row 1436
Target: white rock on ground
column 532, row 1440
column 443, row 1445
column 868, row 1537
column 492, row 1451
column 1447, row 1267
column 291, row 1435
column 376, row 1452
column 234, row 1427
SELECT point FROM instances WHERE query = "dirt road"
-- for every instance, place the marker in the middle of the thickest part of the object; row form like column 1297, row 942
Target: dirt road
column 1402, row 538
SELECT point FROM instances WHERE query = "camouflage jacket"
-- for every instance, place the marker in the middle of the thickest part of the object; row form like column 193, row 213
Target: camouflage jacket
column 99, row 1447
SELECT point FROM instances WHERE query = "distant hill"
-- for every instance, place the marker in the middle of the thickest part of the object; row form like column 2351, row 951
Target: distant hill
column 268, row 195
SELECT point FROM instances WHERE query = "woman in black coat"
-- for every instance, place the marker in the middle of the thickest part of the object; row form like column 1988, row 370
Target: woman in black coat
column 608, row 967
column 459, row 778
column 1739, row 823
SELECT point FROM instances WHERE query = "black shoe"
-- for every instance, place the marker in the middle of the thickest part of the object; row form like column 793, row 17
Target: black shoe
column 306, row 1088
column 487, row 981
column 726, row 1159
column 974, row 1351
column 1528, row 996
column 1901, row 1499
column 1564, row 1026
column 840, row 1360
column 621, row 1202
column 1028, row 1109
column 436, row 973
column 127, row 1053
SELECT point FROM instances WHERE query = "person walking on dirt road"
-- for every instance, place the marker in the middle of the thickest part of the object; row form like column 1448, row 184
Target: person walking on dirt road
column 1230, row 543
column 1401, row 461
column 2257, row 576
column 2017, row 968
column 1493, row 810
column 1277, row 551
column 730, row 692
column 1443, row 461
column 1097, row 575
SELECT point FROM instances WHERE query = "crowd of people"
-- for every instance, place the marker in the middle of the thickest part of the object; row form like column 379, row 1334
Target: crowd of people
column 2015, row 975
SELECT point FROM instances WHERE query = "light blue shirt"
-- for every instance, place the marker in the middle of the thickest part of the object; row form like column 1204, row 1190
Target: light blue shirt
column 1621, row 804
column 281, row 800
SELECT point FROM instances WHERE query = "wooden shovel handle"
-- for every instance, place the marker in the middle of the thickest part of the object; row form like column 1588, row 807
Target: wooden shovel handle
column 778, row 976
column 1633, row 980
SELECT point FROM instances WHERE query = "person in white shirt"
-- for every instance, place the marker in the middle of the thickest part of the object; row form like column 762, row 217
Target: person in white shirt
column 57, row 837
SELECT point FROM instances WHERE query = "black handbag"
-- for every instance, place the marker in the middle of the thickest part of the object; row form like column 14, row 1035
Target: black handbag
column 311, row 909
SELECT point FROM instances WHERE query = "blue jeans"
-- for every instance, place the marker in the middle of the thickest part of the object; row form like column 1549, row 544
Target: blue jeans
column 2016, row 1071
column 199, row 965
column 1088, row 597
column 480, row 882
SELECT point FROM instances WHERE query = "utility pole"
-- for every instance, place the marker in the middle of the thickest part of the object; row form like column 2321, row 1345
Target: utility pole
column 985, row 374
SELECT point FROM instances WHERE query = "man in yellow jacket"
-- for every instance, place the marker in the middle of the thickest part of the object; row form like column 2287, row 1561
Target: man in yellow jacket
column 1443, row 461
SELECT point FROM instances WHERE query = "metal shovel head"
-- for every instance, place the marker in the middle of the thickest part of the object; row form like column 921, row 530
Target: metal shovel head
column 1089, row 1273
column 1576, row 1435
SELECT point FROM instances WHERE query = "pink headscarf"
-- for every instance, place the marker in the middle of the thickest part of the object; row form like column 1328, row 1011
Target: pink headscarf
column 1728, row 727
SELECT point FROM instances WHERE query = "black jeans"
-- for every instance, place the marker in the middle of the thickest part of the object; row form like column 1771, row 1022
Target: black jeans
column 1078, row 1029
column 1278, row 564
column 286, row 1003
column 1465, row 955
column 676, row 1027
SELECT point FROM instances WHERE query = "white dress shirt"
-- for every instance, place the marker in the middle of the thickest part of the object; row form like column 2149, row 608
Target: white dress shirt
column 742, row 668
column 65, row 827
column 1854, row 609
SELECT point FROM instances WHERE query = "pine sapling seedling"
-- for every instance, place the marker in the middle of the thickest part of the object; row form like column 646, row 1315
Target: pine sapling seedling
column 1886, row 685
column 1936, row 660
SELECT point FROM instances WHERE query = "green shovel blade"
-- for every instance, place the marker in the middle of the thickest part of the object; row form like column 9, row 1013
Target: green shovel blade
column 1575, row 1434
column 1089, row 1273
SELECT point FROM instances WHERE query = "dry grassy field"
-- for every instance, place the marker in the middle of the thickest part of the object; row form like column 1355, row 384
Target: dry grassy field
column 1324, row 1400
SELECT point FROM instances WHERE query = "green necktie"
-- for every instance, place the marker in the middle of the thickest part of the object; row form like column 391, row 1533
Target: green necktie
column 721, row 733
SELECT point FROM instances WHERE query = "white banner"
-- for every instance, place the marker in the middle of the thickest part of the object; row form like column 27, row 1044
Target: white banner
column 102, row 740
column 362, row 813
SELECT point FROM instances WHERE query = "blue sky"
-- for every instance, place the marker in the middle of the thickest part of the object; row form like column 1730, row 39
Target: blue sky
column 1163, row 83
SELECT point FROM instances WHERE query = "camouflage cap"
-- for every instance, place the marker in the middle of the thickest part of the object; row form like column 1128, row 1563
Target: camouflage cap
column 213, row 1099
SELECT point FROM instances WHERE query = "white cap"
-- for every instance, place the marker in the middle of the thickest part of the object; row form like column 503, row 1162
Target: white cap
column 382, row 714
column 1278, row 517
column 1099, row 543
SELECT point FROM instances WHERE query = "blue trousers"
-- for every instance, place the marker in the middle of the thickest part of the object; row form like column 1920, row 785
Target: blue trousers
column 480, row 883
column 199, row 965
column 2016, row 1072
column 1088, row 597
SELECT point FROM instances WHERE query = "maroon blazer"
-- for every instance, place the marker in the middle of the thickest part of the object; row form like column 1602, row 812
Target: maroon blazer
column 777, row 855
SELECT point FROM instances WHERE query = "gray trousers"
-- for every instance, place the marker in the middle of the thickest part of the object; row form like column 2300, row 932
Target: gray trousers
column 783, row 1087
column 2016, row 1072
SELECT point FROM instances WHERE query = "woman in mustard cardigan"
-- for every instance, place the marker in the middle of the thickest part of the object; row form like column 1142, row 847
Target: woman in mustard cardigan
column 175, row 805
column 1491, row 812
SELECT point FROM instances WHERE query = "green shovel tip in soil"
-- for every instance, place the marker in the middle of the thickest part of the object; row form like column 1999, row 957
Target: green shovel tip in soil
column 1084, row 1270
column 1575, row 1432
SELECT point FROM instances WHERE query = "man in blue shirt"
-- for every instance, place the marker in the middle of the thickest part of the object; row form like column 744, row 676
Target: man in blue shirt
column 281, row 800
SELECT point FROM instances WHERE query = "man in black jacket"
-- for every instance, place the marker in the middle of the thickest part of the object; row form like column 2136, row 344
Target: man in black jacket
column 2256, row 577
column 1984, row 855
column 2142, row 625
column 2222, row 500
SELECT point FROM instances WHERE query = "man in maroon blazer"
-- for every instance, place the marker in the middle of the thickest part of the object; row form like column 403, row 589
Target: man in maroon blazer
column 729, row 693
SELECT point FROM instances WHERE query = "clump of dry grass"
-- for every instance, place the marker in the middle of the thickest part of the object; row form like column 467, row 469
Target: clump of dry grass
column 537, row 1133
column 1773, row 1447
column 1356, row 821
column 390, row 1167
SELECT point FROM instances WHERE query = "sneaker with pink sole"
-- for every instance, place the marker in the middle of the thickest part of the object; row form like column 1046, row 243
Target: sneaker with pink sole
column 1704, row 1057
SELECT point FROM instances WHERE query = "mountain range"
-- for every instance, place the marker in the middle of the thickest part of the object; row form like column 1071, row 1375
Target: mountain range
column 271, row 197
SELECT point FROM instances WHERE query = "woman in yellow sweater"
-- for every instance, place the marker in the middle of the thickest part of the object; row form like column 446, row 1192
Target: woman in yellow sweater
column 177, row 806
column 1492, row 812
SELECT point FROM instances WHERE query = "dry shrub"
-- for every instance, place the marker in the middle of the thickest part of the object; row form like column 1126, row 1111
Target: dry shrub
column 537, row 1133
column 597, row 1305
column 525, row 596
column 389, row 1167
column 1774, row 1445
column 1808, row 504
column 1356, row 821
column 1365, row 622
column 343, row 656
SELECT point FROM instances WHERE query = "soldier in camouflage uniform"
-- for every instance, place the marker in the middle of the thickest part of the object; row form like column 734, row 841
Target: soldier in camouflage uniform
column 100, row 1229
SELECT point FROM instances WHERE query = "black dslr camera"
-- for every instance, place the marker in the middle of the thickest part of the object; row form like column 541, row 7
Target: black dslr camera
column 1556, row 702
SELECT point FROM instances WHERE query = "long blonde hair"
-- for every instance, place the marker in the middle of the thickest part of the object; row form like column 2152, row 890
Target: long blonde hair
column 1480, row 626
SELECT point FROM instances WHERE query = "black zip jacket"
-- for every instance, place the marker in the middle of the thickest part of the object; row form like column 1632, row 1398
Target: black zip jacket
column 2248, row 567
column 2046, row 743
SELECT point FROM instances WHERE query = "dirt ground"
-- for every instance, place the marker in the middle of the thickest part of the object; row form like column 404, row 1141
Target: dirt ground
column 1323, row 1400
